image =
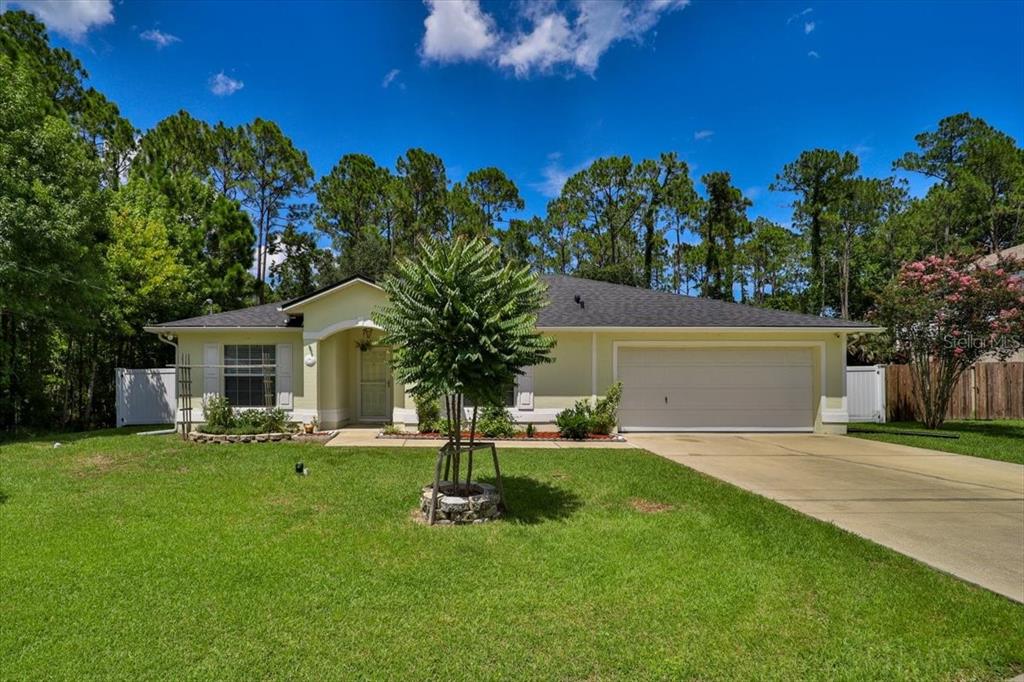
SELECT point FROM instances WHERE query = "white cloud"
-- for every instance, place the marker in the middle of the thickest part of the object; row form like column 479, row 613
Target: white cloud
column 703, row 135
column 457, row 30
column 574, row 37
column 72, row 18
column 390, row 77
column 545, row 46
column 554, row 175
column 796, row 16
column 813, row 54
column 159, row 38
column 808, row 27
column 223, row 85
column 275, row 256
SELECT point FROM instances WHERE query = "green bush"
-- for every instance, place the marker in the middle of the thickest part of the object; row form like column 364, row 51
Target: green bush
column 218, row 414
column 605, row 415
column 496, row 422
column 220, row 419
column 275, row 420
column 250, row 421
column 428, row 411
column 574, row 422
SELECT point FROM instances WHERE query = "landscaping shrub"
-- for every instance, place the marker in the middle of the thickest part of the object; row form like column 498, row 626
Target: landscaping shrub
column 574, row 422
column 605, row 415
column 219, row 415
column 275, row 420
column 428, row 411
column 250, row 421
column 221, row 419
column 496, row 422
column 582, row 419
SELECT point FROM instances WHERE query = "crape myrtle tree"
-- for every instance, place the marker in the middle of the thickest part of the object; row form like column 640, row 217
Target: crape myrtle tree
column 944, row 314
column 462, row 326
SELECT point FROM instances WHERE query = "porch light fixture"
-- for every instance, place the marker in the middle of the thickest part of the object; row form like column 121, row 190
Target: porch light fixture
column 365, row 343
column 310, row 360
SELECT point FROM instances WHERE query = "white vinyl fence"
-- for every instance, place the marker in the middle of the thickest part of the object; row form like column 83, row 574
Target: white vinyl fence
column 865, row 393
column 145, row 396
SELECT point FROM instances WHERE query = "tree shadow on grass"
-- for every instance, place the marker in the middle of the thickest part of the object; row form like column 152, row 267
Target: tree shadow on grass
column 531, row 501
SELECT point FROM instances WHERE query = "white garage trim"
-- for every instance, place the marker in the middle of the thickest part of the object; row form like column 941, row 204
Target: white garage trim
column 819, row 345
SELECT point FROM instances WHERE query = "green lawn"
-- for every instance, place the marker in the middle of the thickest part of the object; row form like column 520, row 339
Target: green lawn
column 141, row 557
column 1001, row 439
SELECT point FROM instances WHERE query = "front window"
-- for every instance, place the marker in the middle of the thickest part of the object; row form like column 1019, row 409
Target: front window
column 249, row 373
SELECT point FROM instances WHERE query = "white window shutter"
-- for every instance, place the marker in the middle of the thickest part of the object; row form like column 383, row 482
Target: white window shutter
column 211, row 370
column 284, row 376
column 524, row 389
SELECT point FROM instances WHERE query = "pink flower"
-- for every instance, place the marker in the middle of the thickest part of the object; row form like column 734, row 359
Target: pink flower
column 958, row 351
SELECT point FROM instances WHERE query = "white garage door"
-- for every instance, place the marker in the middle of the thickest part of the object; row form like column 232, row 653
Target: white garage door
column 720, row 389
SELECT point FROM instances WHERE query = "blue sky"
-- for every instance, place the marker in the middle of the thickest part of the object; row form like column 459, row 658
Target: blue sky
column 538, row 88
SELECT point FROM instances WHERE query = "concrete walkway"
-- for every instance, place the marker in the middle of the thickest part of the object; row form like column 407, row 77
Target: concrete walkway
column 366, row 437
column 963, row 515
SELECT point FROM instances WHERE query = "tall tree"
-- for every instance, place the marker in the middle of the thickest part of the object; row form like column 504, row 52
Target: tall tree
column 723, row 225
column 52, row 221
column 495, row 195
column 866, row 204
column 228, row 253
column 303, row 266
column 772, row 256
column 423, row 196
column 668, row 199
column 979, row 192
column 356, row 201
column 273, row 172
column 520, row 242
column 818, row 179
column 602, row 203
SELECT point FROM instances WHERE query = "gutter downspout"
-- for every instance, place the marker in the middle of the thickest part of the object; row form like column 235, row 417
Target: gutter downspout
column 166, row 338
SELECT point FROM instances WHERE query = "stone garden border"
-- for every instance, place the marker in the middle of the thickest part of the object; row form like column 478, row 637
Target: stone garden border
column 218, row 438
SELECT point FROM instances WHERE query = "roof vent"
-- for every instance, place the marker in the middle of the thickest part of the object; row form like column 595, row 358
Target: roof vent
column 579, row 301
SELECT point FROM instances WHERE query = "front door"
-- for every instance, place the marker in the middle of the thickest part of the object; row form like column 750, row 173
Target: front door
column 374, row 385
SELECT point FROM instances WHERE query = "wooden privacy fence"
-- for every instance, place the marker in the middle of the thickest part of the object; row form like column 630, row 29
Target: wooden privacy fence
column 988, row 390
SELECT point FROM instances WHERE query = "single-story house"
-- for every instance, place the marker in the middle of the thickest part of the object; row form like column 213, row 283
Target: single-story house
column 686, row 363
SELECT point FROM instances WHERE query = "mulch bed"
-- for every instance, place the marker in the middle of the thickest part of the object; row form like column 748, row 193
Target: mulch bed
column 538, row 435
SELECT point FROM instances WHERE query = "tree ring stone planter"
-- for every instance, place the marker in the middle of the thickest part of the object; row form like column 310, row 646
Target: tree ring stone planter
column 479, row 504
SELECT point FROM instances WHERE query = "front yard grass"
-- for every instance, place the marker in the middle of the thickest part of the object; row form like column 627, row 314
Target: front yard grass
column 132, row 557
column 1001, row 439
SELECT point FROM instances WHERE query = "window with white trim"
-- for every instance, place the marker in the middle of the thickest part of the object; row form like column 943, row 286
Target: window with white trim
column 250, row 375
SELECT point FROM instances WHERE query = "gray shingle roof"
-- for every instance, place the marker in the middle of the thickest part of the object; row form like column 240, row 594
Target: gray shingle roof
column 266, row 315
column 604, row 305
column 616, row 305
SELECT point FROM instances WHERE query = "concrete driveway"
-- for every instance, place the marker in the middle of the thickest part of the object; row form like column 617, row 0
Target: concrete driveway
column 963, row 515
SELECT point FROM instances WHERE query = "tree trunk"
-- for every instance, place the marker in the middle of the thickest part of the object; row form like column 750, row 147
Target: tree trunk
column 648, row 248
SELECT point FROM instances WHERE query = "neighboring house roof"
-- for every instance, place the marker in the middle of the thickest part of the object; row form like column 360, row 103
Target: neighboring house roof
column 603, row 305
column 266, row 315
column 992, row 258
column 617, row 305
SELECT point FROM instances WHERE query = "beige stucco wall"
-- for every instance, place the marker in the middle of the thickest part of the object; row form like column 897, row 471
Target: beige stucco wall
column 584, row 361
column 353, row 303
column 572, row 375
column 191, row 345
